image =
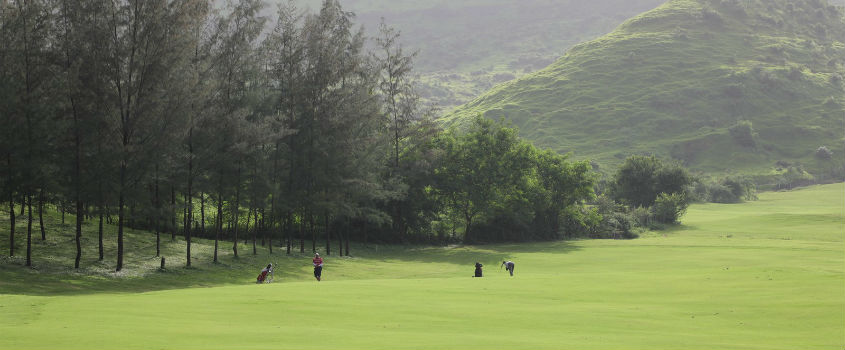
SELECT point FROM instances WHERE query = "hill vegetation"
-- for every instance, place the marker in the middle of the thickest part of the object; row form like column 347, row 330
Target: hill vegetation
column 752, row 87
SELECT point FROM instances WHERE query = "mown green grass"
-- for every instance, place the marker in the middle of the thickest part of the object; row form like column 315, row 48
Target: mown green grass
column 768, row 274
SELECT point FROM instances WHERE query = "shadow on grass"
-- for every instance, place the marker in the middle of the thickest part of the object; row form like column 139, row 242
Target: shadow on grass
column 675, row 229
column 53, row 274
column 466, row 254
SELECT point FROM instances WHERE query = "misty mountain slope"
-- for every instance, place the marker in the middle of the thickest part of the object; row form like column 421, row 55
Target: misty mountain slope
column 681, row 81
column 467, row 46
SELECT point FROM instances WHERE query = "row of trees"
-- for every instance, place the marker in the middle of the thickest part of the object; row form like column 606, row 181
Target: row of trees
column 301, row 127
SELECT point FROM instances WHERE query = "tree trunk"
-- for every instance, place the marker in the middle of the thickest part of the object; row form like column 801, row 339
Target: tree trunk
column 219, row 222
column 77, row 181
column 256, row 223
column 100, row 233
column 29, row 231
column 254, row 232
column 11, row 206
column 266, row 234
column 202, row 213
column 184, row 215
column 237, row 211
column 101, row 212
column 157, row 215
column 190, row 201
column 121, row 202
column 328, row 237
column 302, row 234
column 246, row 230
column 347, row 240
column 468, row 218
column 41, row 215
column 340, row 242
column 288, row 230
column 172, row 213
column 63, row 213
column 79, row 218
column 313, row 233
column 468, row 225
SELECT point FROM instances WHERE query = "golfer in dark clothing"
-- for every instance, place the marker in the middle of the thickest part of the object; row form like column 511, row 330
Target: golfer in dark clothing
column 478, row 269
column 508, row 266
column 318, row 266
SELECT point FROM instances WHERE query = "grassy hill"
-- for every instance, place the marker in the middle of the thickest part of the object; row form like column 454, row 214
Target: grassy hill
column 767, row 274
column 676, row 80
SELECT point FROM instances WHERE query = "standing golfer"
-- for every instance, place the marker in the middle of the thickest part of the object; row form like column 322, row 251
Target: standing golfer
column 508, row 266
column 318, row 266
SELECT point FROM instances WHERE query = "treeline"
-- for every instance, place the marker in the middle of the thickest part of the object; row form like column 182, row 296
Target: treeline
column 182, row 119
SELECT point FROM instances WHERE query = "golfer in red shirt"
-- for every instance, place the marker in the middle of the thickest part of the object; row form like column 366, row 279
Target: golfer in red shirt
column 318, row 266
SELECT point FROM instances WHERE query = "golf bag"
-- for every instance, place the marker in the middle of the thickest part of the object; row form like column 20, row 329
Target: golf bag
column 262, row 277
column 264, row 273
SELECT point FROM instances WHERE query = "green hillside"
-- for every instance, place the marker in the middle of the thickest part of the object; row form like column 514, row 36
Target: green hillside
column 674, row 81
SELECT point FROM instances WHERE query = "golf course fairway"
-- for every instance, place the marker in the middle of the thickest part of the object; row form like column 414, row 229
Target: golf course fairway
column 767, row 274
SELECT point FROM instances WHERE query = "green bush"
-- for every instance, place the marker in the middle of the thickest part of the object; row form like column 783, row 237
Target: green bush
column 615, row 225
column 824, row 153
column 719, row 193
column 698, row 192
column 743, row 133
column 579, row 221
column 794, row 176
column 741, row 188
column 640, row 179
column 668, row 208
column 733, row 189
column 642, row 217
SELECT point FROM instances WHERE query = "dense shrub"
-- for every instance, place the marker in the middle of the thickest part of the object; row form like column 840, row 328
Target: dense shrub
column 610, row 220
column 642, row 178
column 711, row 16
column 579, row 221
column 836, row 79
column 741, row 188
column 642, row 217
column 719, row 193
column 506, row 226
column 698, row 192
column 794, row 176
column 733, row 189
column 605, row 205
column 615, row 225
column 795, row 73
column 824, row 153
column 668, row 208
column 743, row 133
